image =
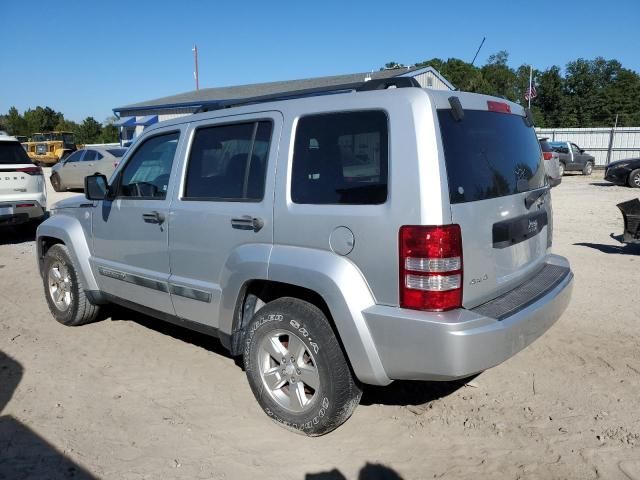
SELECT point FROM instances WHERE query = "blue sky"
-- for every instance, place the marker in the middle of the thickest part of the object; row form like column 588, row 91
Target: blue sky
column 84, row 58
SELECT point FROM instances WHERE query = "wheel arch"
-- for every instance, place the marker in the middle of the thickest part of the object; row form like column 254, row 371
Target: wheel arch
column 66, row 230
column 330, row 282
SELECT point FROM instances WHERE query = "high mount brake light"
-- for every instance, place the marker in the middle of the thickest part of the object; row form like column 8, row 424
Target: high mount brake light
column 431, row 267
column 498, row 106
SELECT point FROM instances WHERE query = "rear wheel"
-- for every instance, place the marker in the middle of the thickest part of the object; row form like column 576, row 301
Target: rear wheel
column 297, row 369
column 561, row 169
column 634, row 178
column 588, row 169
column 55, row 182
column 64, row 291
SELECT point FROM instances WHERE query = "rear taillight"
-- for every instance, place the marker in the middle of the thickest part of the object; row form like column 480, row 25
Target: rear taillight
column 431, row 267
column 547, row 155
column 30, row 170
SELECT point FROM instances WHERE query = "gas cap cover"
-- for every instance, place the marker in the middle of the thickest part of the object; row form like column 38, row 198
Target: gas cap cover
column 342, row 241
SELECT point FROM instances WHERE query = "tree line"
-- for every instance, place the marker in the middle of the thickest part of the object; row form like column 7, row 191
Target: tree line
column 589, row 93
column 45, row 119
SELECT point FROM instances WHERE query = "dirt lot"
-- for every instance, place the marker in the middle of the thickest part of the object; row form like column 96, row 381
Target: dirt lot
column 133, row 398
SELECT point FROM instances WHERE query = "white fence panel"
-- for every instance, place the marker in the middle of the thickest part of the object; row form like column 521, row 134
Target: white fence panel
column 602, row 143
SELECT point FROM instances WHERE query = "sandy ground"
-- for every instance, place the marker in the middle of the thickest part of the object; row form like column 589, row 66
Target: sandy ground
column 133, row 398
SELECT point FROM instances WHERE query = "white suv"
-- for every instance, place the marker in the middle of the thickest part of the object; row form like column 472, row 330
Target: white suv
column 23, row 195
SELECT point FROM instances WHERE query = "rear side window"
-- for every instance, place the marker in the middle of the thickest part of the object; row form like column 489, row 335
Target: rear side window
column 341, row 158
column 228, row 162
column 117, row 152
column 12, row 152
column 489, row 155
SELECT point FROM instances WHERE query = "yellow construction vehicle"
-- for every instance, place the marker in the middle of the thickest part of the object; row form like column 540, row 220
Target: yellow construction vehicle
column 48, row 148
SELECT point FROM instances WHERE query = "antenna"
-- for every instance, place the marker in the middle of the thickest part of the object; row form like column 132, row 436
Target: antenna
column 478, row 51
column 195, row 61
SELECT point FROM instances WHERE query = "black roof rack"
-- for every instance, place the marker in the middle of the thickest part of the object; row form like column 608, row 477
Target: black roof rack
column 378, row 84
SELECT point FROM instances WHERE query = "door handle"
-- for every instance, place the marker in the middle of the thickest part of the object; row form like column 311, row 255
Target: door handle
column 153, row 217
column 247, row 222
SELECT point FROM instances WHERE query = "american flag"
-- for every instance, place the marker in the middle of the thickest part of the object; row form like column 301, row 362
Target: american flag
column 531, row 93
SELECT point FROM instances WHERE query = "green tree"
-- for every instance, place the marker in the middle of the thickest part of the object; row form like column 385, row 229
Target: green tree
column 89, row 131
column 110, row 133
column 499, row 79
column 15, row 123
column 41, row 119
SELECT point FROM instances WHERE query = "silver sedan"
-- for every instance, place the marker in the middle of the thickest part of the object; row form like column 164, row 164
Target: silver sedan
column 70, row 172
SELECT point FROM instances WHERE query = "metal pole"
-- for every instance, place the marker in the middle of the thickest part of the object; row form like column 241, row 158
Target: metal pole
column 530, row 82
column 611, row 137
column 195, row 60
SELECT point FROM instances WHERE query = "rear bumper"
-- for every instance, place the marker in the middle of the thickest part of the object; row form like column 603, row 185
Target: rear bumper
column 22, row 210
column 415, row 345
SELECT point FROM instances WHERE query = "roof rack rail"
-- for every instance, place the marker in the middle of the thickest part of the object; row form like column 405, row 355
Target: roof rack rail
column 377, row 84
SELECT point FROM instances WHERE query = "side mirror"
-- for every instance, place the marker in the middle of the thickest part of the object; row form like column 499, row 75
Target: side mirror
column 582, row 150
column 96, row 187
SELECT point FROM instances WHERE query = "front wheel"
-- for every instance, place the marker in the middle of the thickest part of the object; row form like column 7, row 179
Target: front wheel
column 588, row 169
column 297, row 369
column 64, row 291
column 634, row 178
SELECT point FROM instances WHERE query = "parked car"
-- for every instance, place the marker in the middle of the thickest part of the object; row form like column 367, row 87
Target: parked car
column 551, row 162
column 573, row 158
column 331, row 240
column 624, row 172
column 23, row 197
column 70, row 173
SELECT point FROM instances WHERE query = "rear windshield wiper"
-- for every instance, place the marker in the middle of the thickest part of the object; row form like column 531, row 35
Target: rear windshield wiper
column 531, row 198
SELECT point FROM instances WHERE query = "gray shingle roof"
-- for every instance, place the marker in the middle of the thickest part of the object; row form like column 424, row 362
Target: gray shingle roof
column 258, row 89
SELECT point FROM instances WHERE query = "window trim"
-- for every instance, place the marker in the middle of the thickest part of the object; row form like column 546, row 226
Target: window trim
column 294, row 133
column 256, row 122
column 117, row 183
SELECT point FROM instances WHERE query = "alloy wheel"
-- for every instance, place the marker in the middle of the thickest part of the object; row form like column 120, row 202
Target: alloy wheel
column 59, row 281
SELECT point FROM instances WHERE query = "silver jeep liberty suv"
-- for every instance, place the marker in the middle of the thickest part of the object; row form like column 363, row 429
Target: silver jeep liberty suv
column 356, row 235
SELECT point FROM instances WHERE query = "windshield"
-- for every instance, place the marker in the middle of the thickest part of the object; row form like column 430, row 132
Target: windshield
column 12, row 152
column 489, row 155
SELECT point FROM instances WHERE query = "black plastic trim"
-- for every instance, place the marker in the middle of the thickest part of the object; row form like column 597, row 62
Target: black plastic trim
column 516, row 230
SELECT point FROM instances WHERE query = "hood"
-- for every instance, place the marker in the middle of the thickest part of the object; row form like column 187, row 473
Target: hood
column 633, row 161
column 73, row 202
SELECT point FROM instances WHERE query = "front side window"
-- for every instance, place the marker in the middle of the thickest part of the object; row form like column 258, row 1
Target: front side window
column 147, row 172
column 228, row 162
column 341, row 158
column 74, row 157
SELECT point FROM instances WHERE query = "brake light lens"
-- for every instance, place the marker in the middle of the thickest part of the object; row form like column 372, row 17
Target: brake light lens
column 431, row 267
column 30, row 170
column 498, row 106
column 547, row 155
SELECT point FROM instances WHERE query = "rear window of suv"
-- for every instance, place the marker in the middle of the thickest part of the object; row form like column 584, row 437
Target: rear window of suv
column 12, row 152
column 489, row 155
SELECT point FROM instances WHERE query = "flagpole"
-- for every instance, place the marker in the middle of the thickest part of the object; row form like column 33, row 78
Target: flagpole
column 530, row 82
column 195, row 61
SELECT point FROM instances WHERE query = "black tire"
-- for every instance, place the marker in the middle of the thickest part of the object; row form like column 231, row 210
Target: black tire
column 587, row 169
column 79, row 310
column 55, row 182
column 634, row 178
column 561, row 169
column 337, row 393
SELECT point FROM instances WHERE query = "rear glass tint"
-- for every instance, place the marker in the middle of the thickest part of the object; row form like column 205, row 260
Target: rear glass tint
column 544, row 145
column 489, row 155
column 12, row 152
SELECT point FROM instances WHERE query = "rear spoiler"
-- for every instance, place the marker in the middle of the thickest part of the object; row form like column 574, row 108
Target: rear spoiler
column 631, row 215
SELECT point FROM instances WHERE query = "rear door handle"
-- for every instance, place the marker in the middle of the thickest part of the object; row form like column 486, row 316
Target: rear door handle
column 153, row 217
column 247, row 222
